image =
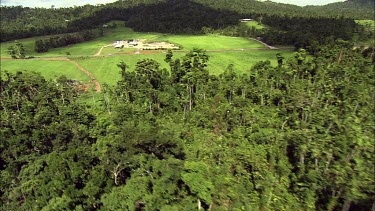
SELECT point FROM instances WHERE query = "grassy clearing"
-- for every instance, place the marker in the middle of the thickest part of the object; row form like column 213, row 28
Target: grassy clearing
column 209, row 42
column 242, row 61
column 367, row 23
column 28, row 43
column 255, row 24
column 48, row 69
column 110, row 50
column 369, row 26
column 105, row 68
column 106, row 71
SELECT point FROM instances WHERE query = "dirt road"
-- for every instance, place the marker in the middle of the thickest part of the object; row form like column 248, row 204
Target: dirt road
column 90, row 75
column 265, row 44
column 93, row 79
column 100, row 50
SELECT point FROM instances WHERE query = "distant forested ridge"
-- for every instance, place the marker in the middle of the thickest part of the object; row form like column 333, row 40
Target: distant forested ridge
column 179, row 16
column 295, row 136
column 357, row 9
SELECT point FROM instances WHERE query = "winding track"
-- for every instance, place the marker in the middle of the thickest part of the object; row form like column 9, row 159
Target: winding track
column 90, row 75
column 100, row 50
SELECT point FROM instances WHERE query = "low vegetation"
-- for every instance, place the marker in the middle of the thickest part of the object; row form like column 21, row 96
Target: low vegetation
column 48, row 69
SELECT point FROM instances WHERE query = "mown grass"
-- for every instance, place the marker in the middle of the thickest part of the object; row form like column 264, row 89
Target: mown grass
column 368, row 23
column 243, row 61
column 48, row 69
column 111, row 50
column 28, row 43
column 255, row 24
column 105, row 68
column 369, row 26
column 209, row 42
column 106, row 71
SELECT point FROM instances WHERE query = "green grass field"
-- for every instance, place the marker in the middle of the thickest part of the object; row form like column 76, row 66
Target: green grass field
column 243, row 61
column 370, row 27
column 49, row 69
column 367, row 23
column 106, row 71
column 209, row 42
column 255, row 24
column 104, row 67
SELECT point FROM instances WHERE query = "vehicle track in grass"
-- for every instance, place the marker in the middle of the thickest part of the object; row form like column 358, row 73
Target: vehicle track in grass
column 100, row 50
column 90, row 75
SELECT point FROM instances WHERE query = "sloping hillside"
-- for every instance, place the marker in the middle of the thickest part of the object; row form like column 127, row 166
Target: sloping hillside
column 357, row 9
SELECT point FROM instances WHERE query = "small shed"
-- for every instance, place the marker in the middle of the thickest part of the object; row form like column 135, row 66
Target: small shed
column 119, row 45
column 246, row 19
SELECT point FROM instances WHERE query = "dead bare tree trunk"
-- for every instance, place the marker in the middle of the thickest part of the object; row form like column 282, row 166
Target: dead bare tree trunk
column 347, row 204
column 190, row 98
column 116, row 171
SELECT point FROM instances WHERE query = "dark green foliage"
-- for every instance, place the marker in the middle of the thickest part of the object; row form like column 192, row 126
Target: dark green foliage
column 357, row 9
column 17, row 51
column 65, row 40
column 290, row 24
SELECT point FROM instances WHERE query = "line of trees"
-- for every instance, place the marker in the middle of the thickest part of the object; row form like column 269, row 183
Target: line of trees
column 43, row 45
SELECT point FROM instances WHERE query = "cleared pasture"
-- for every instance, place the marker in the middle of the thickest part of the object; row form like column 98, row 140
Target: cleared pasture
column 368, row 23
column 255, row 24
column 369, row 26
column 48, row 69
column 223, row 51
column 209, row 42
column 242, row 61
column 106, row 71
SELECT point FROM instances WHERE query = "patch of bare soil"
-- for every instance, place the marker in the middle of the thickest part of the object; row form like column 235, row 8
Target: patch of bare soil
column 93, row 79
column 151, row 51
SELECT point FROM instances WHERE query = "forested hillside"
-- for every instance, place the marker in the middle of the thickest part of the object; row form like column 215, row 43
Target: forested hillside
column 180, row 16
column 296, row 136
column 357, row 9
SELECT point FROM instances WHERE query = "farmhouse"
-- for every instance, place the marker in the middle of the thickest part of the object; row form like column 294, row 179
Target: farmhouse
column 139, row 44
column 132, row 43
column 119, row 45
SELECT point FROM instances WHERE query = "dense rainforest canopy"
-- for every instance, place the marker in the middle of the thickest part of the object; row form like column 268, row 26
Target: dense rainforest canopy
column 184, row 16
